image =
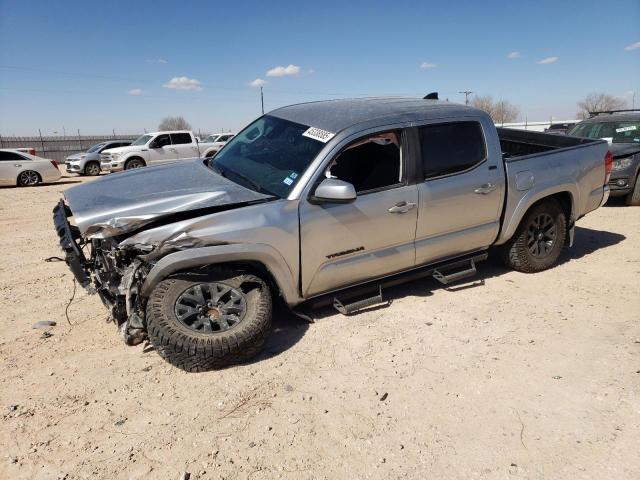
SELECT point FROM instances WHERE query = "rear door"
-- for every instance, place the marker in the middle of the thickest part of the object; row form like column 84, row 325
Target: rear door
column 184, row 145
column 461, row 191
column 343, row 244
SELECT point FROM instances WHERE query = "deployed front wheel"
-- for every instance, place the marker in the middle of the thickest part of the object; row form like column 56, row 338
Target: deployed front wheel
column 538, row 241
column 206, row 321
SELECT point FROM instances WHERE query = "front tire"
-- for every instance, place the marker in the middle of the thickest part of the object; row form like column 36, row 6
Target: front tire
column 633, row 198
column 134, row 163
column 538, row 241
column 92, row 169
column 203, row 322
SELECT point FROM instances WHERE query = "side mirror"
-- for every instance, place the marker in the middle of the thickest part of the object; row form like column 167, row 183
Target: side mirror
column 332, row 190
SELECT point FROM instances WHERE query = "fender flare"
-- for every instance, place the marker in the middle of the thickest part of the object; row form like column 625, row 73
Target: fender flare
column 260, row 253
column 209, row 150
column 134, row 155
column 513, row 219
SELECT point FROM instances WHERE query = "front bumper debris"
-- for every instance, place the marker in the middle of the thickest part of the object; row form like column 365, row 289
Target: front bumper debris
column 73, row 255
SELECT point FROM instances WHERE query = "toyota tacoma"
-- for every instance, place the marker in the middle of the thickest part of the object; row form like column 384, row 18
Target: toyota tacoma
column 317, row 202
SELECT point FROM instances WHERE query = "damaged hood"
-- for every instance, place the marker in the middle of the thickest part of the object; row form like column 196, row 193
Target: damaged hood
column 123, row 202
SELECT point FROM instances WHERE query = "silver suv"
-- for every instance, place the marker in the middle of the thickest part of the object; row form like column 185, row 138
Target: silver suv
column 88, row 163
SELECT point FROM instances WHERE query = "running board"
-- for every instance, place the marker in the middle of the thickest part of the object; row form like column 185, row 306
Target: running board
column 444, row 277
column 349, row 308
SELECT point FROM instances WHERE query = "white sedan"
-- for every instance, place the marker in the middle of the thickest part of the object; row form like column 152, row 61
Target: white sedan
column 25, row 170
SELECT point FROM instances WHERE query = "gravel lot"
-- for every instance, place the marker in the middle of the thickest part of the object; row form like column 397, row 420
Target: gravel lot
column 509, row 376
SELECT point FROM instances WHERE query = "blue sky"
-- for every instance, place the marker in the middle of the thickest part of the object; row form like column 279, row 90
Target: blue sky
column 98, row 66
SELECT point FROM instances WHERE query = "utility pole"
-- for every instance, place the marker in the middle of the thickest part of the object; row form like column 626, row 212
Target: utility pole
column 262, row 100
column 466, row 96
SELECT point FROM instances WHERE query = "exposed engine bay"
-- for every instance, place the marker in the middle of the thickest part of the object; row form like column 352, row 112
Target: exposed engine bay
column 116, row 274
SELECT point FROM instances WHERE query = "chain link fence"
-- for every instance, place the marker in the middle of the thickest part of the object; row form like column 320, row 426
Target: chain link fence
column 58, row 148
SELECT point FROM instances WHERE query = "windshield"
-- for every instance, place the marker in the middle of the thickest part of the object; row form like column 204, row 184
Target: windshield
column 95, row 148
column 210, row 139
column 268, row 156
column 142, row 140
column 614, row 132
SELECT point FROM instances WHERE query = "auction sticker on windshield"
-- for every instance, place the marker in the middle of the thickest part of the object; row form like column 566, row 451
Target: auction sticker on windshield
column 626, row 129
column 318, row 134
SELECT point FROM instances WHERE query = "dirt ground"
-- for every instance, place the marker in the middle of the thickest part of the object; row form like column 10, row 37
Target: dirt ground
column 510, row 376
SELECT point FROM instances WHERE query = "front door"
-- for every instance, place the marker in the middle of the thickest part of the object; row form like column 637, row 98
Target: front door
column 161, row 150
column 343, row 244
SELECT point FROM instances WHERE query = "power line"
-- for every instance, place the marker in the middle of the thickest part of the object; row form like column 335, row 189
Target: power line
column 466, row 96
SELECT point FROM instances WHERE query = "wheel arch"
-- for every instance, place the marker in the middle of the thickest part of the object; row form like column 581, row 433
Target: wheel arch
column 28, row 170
column 564, row 195
column 87, row 162
column 210, row 152
column 264, row 260
column 134, row 156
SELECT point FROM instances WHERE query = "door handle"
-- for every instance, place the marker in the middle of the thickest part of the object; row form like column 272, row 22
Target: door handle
column 17, row 164
column 402, row 207
column 486, row 188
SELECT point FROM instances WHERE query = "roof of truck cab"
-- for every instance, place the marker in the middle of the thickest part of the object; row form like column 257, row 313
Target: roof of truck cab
column 169, row 131
column 336, row 115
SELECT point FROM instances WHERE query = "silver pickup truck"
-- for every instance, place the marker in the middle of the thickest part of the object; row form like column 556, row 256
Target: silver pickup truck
column 324, row 201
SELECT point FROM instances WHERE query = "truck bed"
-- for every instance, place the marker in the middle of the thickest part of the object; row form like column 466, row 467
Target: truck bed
column 516, row 144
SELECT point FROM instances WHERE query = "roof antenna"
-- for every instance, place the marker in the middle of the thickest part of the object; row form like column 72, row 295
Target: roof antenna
column 431, row 96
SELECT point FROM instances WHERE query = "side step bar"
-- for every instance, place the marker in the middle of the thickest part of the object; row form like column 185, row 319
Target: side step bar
column 442, row 270
column 349, row 308
column 444, row 277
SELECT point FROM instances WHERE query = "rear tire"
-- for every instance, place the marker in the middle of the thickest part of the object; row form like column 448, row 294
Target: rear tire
column 92, row 169
column 633, row 198
column 197, row 328
column 134, row 163
column 29, row 178
column 537, row 243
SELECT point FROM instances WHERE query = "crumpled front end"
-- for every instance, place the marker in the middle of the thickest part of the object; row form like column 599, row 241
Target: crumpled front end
column 115, row 273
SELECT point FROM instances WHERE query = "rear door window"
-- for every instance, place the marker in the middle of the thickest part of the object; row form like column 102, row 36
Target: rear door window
column 451, row 148
column 180, row 138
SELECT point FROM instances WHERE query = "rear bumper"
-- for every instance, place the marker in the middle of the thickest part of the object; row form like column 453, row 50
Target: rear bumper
column 68, row 234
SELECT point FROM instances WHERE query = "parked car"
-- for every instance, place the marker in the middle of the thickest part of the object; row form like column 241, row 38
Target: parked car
column 622, row 131
column 88, row 163
column 150, row 149
column 213, row 143
column 320, row 202
column 26, row 170
column 559, row 128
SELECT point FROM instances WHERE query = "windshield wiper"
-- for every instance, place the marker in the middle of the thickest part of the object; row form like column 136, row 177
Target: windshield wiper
column 244, row 178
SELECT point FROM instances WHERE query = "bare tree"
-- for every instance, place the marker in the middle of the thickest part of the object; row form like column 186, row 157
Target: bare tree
column 599, row 102
column 500, row 111
column 173, row 123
